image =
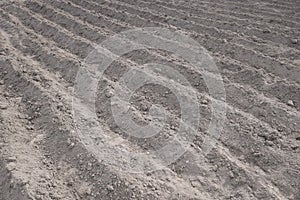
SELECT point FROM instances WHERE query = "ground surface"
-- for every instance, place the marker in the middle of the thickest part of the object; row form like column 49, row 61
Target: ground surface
column 256, row 46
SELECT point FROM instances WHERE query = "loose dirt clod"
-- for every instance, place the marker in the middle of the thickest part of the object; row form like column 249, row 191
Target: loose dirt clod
column 3, row 106
column 11, row 159
column 11, row 166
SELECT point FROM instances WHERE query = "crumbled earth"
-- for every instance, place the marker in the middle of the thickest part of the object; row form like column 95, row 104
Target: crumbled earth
column 256, row 47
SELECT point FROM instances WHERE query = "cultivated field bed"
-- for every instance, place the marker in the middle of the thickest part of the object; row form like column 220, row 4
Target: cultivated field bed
column 256, row 47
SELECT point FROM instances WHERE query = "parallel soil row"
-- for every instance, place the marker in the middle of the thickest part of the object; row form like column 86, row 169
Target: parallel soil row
column 44, row 43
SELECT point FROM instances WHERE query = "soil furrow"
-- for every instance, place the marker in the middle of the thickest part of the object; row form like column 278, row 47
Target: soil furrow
column 268, row 6
column 44, row 43
column 268, row 23
column 240, row 53
column 280, row 86
column 222, row 9
column 63, row 41
column 234, row 34
column 264, row 33
column 249, row 9
column 173, row 183
column 104, row 110
column 221, row 21
column 77, row 159
column 196, row 10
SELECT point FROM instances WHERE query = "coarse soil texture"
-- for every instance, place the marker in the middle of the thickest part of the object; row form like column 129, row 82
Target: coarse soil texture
column 256, row 47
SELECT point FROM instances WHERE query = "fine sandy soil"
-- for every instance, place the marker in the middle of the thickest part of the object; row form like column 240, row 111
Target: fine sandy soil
column 254, row 43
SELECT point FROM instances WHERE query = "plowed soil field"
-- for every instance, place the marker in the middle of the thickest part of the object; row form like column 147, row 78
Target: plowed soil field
column 254, row 43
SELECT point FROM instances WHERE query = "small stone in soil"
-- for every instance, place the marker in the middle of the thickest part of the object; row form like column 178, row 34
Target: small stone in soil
column 290, row 103
column 110, row 188
column 294, row 41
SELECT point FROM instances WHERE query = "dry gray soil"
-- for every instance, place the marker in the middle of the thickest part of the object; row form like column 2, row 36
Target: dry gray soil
column 256, row 46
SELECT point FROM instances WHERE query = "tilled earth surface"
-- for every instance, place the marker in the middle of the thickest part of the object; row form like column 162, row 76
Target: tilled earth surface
column 254, row 43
